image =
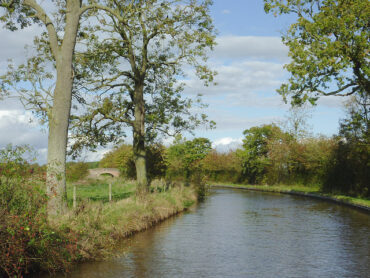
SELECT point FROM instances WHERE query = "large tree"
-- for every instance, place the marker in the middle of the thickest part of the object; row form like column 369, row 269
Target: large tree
column 136, row 61
column 328, row 47
column 184, row 157
column 61, row 19
column 255, row 152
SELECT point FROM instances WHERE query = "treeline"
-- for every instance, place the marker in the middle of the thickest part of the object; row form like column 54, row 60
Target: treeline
column 180, row 162
column 270, row 154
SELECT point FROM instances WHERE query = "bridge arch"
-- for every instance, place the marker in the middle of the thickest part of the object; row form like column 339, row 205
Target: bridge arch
column 97, row 172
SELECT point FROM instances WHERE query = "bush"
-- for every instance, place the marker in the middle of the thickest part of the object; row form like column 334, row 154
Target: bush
column 349, row 170
column 199, row 180
column 299, row 162
column 223, row 167
column 28, row 242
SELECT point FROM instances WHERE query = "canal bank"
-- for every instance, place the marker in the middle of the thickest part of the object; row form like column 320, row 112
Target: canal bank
column 310, row 192
column 100, row 226
column 98, row 229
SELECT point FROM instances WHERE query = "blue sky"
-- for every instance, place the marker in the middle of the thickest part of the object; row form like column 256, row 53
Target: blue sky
column 249, row 60
column 236, row 109
column 246, row 18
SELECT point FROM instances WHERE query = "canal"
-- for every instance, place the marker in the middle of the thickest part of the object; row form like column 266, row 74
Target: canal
column 237, row 233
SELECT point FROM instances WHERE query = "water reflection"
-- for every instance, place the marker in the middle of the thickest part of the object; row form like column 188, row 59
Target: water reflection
column 248, row 234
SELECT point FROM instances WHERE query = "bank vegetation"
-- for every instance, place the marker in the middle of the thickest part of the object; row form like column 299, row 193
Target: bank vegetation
column 30, row 241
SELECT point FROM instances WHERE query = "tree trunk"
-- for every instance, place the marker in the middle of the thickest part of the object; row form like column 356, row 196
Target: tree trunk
column 60, row 113
column 139, row 141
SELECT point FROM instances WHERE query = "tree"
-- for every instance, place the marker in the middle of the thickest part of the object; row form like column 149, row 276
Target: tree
column 122, row 157
column 349, row 170
column 223, row 167
column 62, row 24
column 76, row 171
column 329, row 48
column 254, row 154
column 184, row 156
column 296, row 121
column 356, row 127
column 138, row 61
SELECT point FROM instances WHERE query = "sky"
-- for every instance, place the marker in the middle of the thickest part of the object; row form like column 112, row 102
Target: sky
column 249, row 59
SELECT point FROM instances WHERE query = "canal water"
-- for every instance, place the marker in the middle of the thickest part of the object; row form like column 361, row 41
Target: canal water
column 237, row 233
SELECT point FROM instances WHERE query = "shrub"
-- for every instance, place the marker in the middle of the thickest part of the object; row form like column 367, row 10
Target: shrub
column 223, row 167
column 28, row 242
column 349, row 170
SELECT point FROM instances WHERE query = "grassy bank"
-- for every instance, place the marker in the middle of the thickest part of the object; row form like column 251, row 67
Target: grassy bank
column 30, row 243
column 304, row 190
column 98, row 226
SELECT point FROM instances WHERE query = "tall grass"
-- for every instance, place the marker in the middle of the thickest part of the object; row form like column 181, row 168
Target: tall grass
column 99, row 226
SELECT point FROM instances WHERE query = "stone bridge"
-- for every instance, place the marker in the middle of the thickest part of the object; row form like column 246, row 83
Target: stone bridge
column 97, row 172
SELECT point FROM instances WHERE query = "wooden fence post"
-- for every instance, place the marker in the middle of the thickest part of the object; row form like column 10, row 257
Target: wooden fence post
column 110, row 192
column 74, row 196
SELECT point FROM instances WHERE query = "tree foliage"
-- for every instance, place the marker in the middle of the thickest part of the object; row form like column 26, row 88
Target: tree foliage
column 272, row 156
column 254, row 154
column 349, row 171
column 223, row 167
column 356, row 126
column 148, row 45
column 28, row 243
column 76, row 171
column 61, row 20
column 185, row 157
column 328, row 45
column 122, row 158
column 135, row 59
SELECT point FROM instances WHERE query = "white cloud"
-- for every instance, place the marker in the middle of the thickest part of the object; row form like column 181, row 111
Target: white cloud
column 167, row 141
column 227, row 144
column 94, row 156
column 226, row 141
column 247, row 47
column 42, row 156
column 19, row 127
column 226, row 12
column 332, row 101
column 229, row 123
column 246, row 83
column 248, row 68
column 13, row 44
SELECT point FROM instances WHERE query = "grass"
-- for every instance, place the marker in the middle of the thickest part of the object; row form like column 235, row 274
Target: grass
column 303, row 189
column 31, row 242
column 353, row 200
column 99, row 225
column 98, row 190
